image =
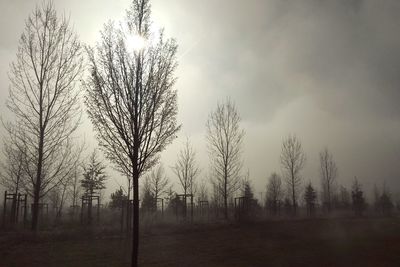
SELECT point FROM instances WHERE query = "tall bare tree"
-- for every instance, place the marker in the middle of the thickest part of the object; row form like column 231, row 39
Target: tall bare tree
column 292, row 162
column 225, row 138
column 274, row 194
column 43, row 98
column 328, row 172
column 130, row 99
column 186, row 168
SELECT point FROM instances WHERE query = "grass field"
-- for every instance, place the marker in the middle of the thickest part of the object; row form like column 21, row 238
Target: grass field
column 318, row 242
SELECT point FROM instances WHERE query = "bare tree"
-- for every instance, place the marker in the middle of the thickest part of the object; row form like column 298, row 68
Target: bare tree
column 57, row 197
column 43, row 99
column 130, row 99
column 292, row 162
column 274, row 193
column 158, row 182
column 203, row 191
column 186, row 168
column 225, row 138
column 75, row 188
column 357, row 196
column 328, row 172
column 12, row 171
column 344, row 197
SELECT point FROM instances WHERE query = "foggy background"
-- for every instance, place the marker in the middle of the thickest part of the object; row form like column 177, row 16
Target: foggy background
column 327, row 71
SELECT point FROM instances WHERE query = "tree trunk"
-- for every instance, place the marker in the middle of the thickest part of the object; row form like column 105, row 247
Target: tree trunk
column 293, row 197
column 36, row 190
column 226, row 194
column 128, row 210
column 135, row 232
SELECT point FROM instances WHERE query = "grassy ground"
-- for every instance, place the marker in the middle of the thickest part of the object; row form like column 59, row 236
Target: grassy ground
column 335, row 242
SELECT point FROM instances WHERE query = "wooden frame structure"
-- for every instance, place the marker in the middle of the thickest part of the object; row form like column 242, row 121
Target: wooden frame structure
column 87, row 202
column 182, row 200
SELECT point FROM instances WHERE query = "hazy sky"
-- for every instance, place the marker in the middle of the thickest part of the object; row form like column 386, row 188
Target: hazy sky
column 327, row 71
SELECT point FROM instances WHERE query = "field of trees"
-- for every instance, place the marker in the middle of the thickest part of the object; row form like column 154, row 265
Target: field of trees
column 55, row 210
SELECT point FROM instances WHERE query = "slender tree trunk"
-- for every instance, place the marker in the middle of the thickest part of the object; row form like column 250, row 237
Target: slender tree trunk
column 294, row 193
column 128, row 210
column 135, row 232
column 36, row 192
column 329, row 198
column 226, row 193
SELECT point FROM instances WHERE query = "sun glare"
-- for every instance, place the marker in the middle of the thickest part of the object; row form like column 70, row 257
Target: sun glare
column 135, row 42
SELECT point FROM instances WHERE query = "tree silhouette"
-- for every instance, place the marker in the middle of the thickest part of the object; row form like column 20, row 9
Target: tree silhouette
column 225, row 138
column 117, row 199
column 292, row 162
column 44, row 101
column 93, row 180
column 186, row 168
column 328, row 172
column 130, row 99
column 12, row 165
column 357, row 196
column 158, row 181
column 274, row 193
column 310, row 197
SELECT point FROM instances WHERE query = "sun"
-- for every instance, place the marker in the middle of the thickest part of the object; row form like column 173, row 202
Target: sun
column 135, row 42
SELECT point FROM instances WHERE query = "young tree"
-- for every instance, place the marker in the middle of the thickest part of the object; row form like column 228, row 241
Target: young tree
column 249, row 202
column 43, row 99
column 386, row 203
column 292, row 162
column 383, row 201
column 186, row 168
column 357, row 196
column 148, row 199
column 59, row 194
column 247, row 190
column 328, row 172
column 310, row 197
column 130, row 99
column 158, row 182
column 203, row 191
column 344, row 197
column 75, row 188
column 12, row 167
column 274, row 193
column 117, row 199
column 225, row 138
column 93, row 180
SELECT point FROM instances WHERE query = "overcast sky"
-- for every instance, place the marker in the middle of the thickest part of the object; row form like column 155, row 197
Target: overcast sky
column 327, row 71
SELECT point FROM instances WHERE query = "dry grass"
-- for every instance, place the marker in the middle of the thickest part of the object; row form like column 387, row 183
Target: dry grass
column 335, row 242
